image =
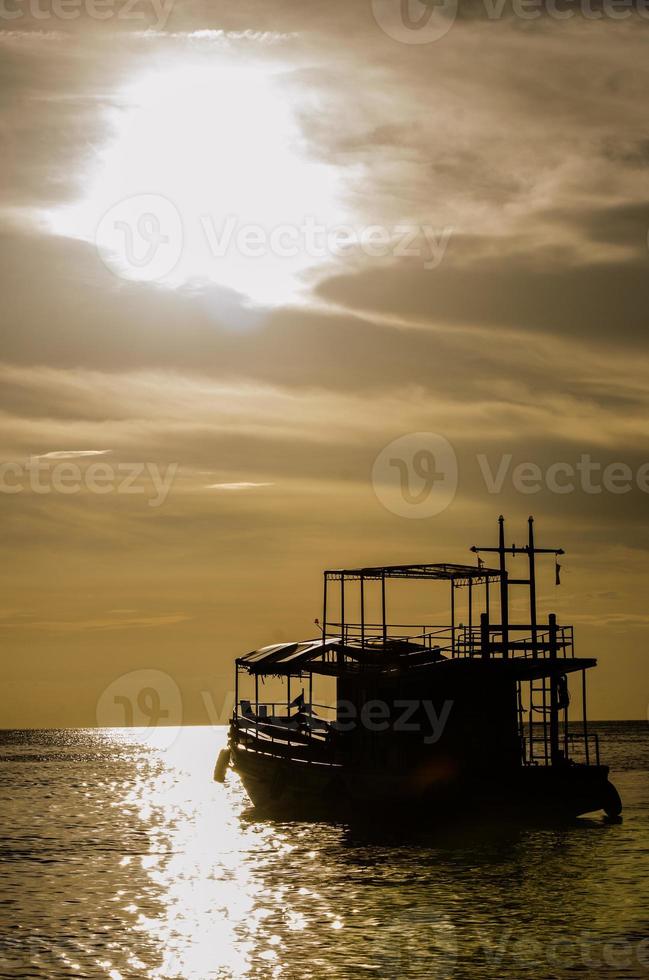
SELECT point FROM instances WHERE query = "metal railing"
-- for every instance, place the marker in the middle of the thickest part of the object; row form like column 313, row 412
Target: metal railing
column 302, row 735
column 276, row 709
column 575, row 747
column 373, row 634
column 461, row 641
column 469, row 641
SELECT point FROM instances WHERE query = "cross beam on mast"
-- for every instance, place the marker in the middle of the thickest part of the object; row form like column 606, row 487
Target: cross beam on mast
column 531, row 551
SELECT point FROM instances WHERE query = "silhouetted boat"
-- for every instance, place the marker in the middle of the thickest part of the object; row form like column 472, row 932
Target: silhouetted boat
column 427, row 719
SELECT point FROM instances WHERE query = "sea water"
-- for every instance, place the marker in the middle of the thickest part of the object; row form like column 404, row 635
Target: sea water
column 121, row 858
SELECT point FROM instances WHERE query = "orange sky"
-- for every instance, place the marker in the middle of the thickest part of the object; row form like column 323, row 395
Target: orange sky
column 247, row 395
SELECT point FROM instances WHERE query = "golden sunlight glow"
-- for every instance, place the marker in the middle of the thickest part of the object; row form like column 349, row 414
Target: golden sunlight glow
column 217, row 157
column 229, row 889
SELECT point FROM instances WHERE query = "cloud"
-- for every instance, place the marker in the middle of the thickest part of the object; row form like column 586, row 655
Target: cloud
column 74, row 453
column 527, row 340
column 531, row 292
column 91, row 625
column 236, row 486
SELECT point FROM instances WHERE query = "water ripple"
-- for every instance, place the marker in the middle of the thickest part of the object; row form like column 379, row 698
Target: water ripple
column 119, row 858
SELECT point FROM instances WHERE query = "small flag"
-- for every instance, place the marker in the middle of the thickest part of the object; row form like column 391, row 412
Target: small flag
column 557, row 574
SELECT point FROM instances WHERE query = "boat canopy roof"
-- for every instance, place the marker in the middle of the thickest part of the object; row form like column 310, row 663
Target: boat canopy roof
column 459, row 574
column 285, row 658
column 320, row 657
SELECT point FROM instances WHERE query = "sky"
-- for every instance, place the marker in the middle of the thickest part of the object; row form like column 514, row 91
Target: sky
column 290, row 286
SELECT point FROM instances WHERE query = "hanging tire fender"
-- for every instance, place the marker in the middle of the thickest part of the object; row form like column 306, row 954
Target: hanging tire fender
column 611, row 803
column 221, row 767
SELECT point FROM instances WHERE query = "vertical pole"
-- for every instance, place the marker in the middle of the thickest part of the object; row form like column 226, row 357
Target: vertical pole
column 288, row 710
column 484, row 635
column 452, row 618
column 236, row 691
column 340, row 656
column 566, row 742
column 546, row 688
column 531, row 557
column 532, row 577
column 324, row 610
column 470, row 616
column 584, row 714
column 310, row 716
column 545, row 683
column 257, row 706
column 520, row 721
column 554, row 709
column 504, row 591
column 531, row 720
column 385, row 628
column 362, row 580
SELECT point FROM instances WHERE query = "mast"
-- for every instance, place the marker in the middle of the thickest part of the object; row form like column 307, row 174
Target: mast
column 531, row 551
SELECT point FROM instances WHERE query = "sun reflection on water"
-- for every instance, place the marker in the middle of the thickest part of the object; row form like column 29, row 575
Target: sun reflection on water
column 124, row 860
column 220, row 912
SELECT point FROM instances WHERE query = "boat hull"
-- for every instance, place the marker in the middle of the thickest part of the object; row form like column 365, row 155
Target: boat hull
column 296, row 789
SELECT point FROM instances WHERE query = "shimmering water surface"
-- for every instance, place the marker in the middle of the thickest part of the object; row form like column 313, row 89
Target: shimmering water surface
column 121, row 858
